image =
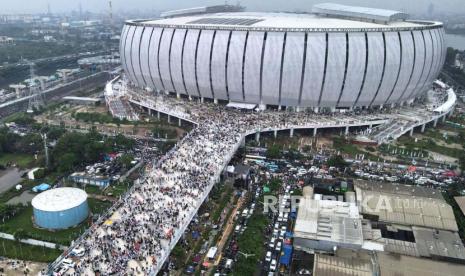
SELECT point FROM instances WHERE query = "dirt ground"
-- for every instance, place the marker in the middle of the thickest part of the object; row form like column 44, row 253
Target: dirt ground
column 15, row 267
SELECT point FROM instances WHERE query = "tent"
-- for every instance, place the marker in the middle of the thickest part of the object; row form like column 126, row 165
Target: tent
column 286, row 255
column 40, row 188
column 241, row 105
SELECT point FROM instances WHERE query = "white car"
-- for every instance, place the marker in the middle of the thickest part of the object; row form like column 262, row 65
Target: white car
column 272, row 241
column 268, row 256
column 278, row 246
column 78, row 252
column 273, row 266
column 68, row 263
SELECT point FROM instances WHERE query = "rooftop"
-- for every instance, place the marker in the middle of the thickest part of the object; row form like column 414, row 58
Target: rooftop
column 278, row 21
column 59, row 199
column 394, row 264
column 405, row 205
column 438, row 243
column 359, row 13
column 334, row 221
column 339, row 266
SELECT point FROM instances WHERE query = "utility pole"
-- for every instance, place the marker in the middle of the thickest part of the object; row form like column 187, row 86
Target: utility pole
column 35, row 93
column 44, row 137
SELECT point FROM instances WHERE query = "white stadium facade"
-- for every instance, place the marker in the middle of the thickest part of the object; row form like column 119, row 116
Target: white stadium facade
column 336, row 57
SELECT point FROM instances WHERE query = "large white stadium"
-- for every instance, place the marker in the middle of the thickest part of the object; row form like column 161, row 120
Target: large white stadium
column 335, row 57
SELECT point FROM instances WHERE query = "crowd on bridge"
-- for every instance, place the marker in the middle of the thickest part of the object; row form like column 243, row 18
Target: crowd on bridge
column 139, row 234
column 147, row 222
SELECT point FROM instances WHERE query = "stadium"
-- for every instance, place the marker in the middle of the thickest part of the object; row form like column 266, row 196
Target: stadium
column 335, row 58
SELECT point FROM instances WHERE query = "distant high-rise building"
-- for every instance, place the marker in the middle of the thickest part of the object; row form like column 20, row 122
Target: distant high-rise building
column 430, row 10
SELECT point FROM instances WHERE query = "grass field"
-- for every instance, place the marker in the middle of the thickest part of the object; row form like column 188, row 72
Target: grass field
column 119, row 188
column 427, row 144
column 22, row 160
column 24, row 221
column 20, row 251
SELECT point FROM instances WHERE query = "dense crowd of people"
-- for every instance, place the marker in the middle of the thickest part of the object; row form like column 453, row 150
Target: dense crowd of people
column 139, row 234
column 147, row 222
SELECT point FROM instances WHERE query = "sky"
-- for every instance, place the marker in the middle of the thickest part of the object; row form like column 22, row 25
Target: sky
column 34, row 6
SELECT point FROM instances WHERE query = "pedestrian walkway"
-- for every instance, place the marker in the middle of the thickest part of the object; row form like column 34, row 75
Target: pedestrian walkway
column 33, row 242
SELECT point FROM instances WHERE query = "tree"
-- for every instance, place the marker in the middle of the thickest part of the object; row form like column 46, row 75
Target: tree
column 125, row 160
column 462, row 161
column 273, row 152
column 66, row 162
column 20, row 234
column 337, row 161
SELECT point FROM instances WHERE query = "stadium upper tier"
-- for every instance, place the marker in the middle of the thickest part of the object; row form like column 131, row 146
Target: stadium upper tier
column 285, row 59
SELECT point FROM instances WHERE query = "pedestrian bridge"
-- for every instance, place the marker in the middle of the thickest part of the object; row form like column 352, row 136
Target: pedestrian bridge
column 221, row 132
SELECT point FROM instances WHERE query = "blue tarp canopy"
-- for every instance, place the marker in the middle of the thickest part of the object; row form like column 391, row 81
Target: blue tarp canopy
column 286, row 255
column 40, row 188
column 195, row 235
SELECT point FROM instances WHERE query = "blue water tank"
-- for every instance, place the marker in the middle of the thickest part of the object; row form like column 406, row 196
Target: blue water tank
column 60, row 208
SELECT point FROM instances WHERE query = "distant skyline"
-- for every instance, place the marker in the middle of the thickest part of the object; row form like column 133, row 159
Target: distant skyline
column 41, row 6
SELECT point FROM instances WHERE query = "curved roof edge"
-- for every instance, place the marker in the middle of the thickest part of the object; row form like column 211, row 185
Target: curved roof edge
column 426, row 25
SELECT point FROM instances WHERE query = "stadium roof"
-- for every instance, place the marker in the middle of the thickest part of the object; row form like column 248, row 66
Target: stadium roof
column 279, row 22
column 359, row 13
column 201, row 10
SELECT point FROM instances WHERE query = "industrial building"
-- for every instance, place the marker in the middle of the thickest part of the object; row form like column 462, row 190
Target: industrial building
column 60, row 208
column 380, row 228
column 90, row 179
column 337, row 57
column 324, row 265
column 322, row 225
column 82, row 100
column 405, row 205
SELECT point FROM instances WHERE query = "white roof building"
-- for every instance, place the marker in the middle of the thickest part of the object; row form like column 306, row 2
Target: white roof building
column 325, row 224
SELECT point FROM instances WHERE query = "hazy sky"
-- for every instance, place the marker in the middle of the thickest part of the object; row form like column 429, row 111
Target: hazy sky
column 28, row 6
